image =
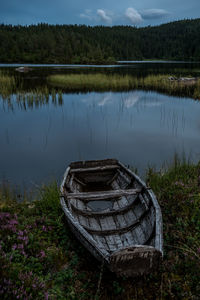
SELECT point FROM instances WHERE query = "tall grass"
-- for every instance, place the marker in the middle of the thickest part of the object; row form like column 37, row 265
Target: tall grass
column 32, row 98
column 7, row 84
column 38, row 97
column 103, row 82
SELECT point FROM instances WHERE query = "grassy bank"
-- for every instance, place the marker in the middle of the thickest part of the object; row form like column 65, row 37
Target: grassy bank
column 103, row 82
column 40, row 259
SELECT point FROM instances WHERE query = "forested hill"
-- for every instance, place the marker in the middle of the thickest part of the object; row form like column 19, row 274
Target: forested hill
column 45, row 43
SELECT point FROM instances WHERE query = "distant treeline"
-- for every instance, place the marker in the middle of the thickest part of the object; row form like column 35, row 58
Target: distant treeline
column 45, row 43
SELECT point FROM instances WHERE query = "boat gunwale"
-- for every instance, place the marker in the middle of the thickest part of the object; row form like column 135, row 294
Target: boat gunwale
column 95, row 247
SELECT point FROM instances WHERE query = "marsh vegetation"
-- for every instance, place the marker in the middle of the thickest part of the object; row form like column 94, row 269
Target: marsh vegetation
column 7, row 84
column 31, row 97
column 105, row 82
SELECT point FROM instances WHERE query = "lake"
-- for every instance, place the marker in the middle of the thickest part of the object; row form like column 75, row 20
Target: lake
column 140, row 128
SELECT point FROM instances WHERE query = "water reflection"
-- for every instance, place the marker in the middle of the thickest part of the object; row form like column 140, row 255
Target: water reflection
column 32, row 99
column 139, row 128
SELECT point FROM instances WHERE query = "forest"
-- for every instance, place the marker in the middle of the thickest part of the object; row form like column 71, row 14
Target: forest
column 44, row 43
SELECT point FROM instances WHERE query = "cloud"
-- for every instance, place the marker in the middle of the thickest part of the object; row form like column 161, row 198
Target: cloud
column 154, row 13
column 131, row 101
column 100, row 101
column 99, row 15
column 88, row 15
column 133, row 15
column 104, row 16
column 105, row 100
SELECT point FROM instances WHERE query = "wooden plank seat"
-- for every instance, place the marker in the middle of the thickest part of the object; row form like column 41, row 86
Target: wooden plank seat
column 94, row 169
column 102, row 195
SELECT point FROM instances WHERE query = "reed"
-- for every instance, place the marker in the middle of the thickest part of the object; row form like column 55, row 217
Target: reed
column 33, row 98
column 7, row 84
column 104, row 82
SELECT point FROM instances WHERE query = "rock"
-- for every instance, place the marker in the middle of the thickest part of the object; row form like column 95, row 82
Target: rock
column 23, row 69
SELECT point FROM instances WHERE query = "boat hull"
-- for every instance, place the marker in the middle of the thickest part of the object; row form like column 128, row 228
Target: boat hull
column 114, row 215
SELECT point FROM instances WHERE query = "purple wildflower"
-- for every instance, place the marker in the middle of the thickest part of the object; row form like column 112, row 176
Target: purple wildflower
column 14, row 246
column 44, row 228
column 42, row 254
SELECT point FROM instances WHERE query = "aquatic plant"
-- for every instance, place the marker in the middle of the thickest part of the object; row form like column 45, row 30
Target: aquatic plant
column 38, row 97
column 7, row 84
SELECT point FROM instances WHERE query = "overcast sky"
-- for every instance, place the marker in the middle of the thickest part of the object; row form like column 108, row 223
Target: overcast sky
column 101, row 12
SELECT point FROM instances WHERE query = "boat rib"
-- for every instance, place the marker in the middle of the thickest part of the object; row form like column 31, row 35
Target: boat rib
column 113, row 212
column 117, row 230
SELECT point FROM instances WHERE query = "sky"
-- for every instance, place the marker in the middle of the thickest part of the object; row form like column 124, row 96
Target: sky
column 102, row 12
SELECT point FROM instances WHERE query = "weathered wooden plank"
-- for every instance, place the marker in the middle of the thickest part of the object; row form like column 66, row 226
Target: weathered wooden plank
column 135, row 261
column 138, row 232
column 143, row 201
column 101, row 242
column 126, row 177
column 120, row 230
column 81, row 219
column 79, row 181
column 122, row 219
column 93, row 163
column 94, row 224
column 96, row 177
column 145, row 229
column 112, row 240
column 116, row 211
column 158, row 214
column 102, row 195
column 147, row 223
column 146, row 198
column 129, row 217
column 113, row 178
column 94, row 169
column 106, row 223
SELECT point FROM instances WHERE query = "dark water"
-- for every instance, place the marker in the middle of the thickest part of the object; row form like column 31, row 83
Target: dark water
column 140, row 128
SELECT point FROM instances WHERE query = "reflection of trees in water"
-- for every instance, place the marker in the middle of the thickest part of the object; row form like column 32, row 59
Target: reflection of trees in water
column 34, row 98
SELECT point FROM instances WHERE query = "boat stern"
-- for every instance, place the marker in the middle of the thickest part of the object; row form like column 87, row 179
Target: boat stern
column 135, row 261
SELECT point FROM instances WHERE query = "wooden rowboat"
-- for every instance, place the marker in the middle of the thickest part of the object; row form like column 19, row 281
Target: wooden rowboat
column 114, row 215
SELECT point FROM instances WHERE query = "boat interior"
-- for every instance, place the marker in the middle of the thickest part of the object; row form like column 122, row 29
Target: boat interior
column 110, row 204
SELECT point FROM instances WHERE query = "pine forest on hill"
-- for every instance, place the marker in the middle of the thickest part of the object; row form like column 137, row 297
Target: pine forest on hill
column 45, row 43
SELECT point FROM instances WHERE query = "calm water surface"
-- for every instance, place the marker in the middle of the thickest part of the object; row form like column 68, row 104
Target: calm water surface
column 140, row 128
